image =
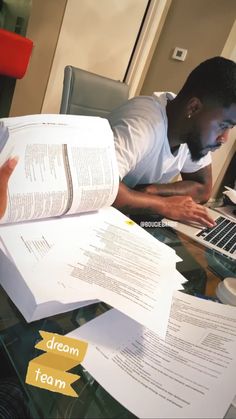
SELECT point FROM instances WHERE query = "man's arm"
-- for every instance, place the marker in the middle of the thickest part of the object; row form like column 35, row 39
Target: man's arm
column 198, row 185
column 179, row 208
column 5, row 173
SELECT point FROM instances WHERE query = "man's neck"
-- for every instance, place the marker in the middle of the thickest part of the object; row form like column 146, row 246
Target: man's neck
column 173, row 111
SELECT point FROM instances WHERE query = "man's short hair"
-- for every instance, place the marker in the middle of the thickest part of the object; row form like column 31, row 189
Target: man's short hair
column 213, row 80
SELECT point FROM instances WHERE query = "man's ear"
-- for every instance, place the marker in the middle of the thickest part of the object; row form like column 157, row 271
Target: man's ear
column 194, row 105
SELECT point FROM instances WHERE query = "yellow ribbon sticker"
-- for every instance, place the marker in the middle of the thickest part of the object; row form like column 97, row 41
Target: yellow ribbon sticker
column 49, row 370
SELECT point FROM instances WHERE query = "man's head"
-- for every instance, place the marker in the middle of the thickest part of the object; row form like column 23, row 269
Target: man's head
column 209, row 102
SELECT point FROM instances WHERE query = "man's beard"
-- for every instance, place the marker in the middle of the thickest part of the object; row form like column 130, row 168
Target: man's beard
column 195, row 146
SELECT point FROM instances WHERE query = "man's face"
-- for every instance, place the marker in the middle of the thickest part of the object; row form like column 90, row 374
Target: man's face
column 209, row 129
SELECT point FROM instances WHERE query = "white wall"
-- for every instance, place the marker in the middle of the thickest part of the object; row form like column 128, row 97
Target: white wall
column 43, row 29
column 97, row 36
column 222, row 157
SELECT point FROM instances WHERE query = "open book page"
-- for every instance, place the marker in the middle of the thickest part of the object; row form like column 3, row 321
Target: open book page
column 25, row 245
column 190, row 374
column 66, row 165
column 28, row 243
column 99, row 255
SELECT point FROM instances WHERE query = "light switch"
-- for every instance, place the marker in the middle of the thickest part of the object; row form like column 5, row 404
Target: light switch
column 179, row 54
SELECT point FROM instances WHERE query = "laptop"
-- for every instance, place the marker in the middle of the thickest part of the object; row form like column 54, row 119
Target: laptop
column 221, row 238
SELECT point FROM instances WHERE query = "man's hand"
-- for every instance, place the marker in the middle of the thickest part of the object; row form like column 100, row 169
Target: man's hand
column 185, row 209
column 5, row 173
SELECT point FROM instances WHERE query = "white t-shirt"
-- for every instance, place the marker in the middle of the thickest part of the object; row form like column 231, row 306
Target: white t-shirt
column 141, row 143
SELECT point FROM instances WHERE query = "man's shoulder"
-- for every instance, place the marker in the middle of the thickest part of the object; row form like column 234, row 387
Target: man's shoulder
column 155, row 100
column 139, row 102
column 139, row 107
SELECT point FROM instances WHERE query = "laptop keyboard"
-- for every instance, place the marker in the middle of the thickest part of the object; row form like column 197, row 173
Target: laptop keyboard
column 223, row 235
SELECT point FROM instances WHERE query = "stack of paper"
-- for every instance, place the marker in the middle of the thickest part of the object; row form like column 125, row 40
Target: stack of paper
column 67, row 167
column 190, row 374
column 64, row 263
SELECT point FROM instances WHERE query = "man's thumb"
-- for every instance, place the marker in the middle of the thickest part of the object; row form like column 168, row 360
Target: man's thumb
column 7, row 169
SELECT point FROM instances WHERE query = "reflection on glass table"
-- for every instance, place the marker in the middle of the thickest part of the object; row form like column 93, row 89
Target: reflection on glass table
column 18, row 339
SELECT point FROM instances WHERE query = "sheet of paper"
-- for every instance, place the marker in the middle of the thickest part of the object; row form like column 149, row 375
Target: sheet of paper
column 123, row 265
column 28, row 243
column 103, row 256
column 25, row 245
column 231, row 194
column 190, row 374
column 228, row 211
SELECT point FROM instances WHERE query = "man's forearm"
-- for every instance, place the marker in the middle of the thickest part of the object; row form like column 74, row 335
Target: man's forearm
column 131, row 201
column 198, row 191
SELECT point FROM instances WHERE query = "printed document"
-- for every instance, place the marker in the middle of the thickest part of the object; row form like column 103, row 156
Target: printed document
column 96, row 256
column 67, row 168
column 190, row 374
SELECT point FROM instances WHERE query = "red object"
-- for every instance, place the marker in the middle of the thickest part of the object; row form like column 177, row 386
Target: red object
column 15, row 51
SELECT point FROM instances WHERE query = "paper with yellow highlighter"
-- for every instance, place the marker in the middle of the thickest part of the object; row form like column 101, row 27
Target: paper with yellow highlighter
column 92, row 257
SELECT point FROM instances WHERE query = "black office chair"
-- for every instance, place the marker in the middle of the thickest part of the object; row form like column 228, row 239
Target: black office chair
column 86, row 93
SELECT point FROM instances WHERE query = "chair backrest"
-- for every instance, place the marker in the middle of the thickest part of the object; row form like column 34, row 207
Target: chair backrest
column 86, row 93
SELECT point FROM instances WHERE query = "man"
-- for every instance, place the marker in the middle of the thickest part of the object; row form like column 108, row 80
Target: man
column 159, row 137
column 5, row 173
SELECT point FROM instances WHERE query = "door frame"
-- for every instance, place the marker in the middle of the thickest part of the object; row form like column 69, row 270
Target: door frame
column 229, row 50
column 146, row 44
column 220, row 161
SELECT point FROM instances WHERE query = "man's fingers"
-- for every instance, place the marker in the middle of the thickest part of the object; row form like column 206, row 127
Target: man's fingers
column 203, row 218
column 197, row 213
column 203, row 221
column 185, row 209
column 207, row 218
column 5, row 173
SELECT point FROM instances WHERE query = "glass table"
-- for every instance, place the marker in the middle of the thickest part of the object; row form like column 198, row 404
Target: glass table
column 203, row 269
